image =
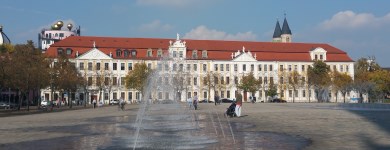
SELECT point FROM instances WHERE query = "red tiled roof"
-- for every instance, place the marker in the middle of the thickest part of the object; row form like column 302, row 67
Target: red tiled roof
column 216, row 49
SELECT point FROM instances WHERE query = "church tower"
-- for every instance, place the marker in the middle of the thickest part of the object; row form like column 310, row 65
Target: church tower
column 286, row 32
column 277, row 33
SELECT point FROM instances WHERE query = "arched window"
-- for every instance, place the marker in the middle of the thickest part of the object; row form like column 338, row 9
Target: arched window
column 133, row 53
column 118, row 53
column 126, row 53
column 68, row 51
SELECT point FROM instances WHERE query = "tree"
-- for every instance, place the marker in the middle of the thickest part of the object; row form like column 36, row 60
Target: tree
column 249, row 83
column 137, row 77
column 319, row 77
column 341, row 83
column 381, row 80
column 294, row 82
column 272, row 91
column 362, row 83
column 210, row 80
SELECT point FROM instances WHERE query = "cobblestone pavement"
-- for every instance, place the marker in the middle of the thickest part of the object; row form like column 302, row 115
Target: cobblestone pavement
column 169, row 126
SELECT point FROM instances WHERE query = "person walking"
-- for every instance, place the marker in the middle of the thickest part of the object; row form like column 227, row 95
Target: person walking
column 94, row 103
column 195, row 101
column 216, row 99
column 238, row 104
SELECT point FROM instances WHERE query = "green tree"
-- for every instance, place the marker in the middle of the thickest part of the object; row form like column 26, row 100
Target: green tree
column 272, row 91
column 362, row 83
column 341, row 83
column 138, row 77
column 210, row 80
column 381, row 80
column 249, row 83
column 319, row 77
column 294, row 82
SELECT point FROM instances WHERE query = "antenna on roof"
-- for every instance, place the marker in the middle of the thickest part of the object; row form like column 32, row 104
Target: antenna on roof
column 94, row 44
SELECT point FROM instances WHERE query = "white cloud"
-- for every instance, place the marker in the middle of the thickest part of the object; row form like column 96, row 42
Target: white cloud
column 155, row 25
column 173, row 3
column 350, row 20
column 202, row 32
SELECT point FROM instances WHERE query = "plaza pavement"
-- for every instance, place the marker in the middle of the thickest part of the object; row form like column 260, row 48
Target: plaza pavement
column 325, row 126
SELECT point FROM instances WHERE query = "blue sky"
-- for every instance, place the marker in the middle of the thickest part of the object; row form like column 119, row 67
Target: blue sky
column 359, row 27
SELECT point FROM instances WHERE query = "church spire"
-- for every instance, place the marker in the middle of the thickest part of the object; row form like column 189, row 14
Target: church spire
column 277, row 31
column 285, row 28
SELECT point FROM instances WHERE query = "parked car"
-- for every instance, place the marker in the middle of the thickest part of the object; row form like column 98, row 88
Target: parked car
column 6, row 105
column 44, row 103
column 226, row 100
column 205, row 101
column 114, row 101
column 277, row 100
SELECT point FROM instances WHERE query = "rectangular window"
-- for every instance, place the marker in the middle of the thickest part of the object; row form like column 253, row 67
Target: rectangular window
column 221, row 67
column 89, row 81
column 295, row 67
column 215, row 67
column 122, row 95
column 281, row 80
column 281, row 93
column 130, row 96
column 265, row 80
column 166, row 67
column 105, row 96
column 188, row 67
column 106, row 80
column 227, row 67
column 181, row 67
column 204, row 95
column 303, row 67
column 289, row 68
column 174, row 67
column 289, row 93
column 347, row 68
column 281, row 68
column 98, row 81
column 114, row 65
column 114, row 81
column 271, row 68
column 90, row 66
column 195, row 81
column 204, row 67
column 265, row 67
column 271, row 80
column 252, row 67
column 122, row 66
column 259, row 67
column 227, row 80
column 227, row 94
column 341, row 68
column 81, row 66
column 174, row 53
column 166, row 80
column 235, row 80
column 180, row 54
column 243, row 67
column 149, row 53
column 222, row 80
column 114, row 95
column 303, row 93
column 159, row 53
column 296, row 93
column 150, row 65
column 159, row 67
column 123, row 81
column 235, row 67
column 130, row 66
column 195, row 67
column 98, row 66
column 204, row 54
column 106, row 66
column 222, row 93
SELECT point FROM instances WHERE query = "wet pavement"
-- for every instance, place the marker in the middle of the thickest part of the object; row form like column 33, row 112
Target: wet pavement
column 162, row 126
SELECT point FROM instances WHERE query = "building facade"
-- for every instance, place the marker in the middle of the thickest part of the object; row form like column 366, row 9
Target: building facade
column 112, row 58
column 48, row 37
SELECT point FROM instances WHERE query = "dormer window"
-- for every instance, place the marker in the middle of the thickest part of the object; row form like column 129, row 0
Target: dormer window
column 204, row 54
column 126, row 53
column 133, row 53
column 118, row 53
column 318, row 54
column 194, row 54
column 68, row 51
column 159, row 52
column 60, row 51
column 149, row 53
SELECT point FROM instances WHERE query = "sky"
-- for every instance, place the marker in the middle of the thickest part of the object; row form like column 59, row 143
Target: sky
column 359, row 27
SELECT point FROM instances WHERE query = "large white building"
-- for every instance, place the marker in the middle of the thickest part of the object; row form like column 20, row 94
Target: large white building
column 194, row 59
